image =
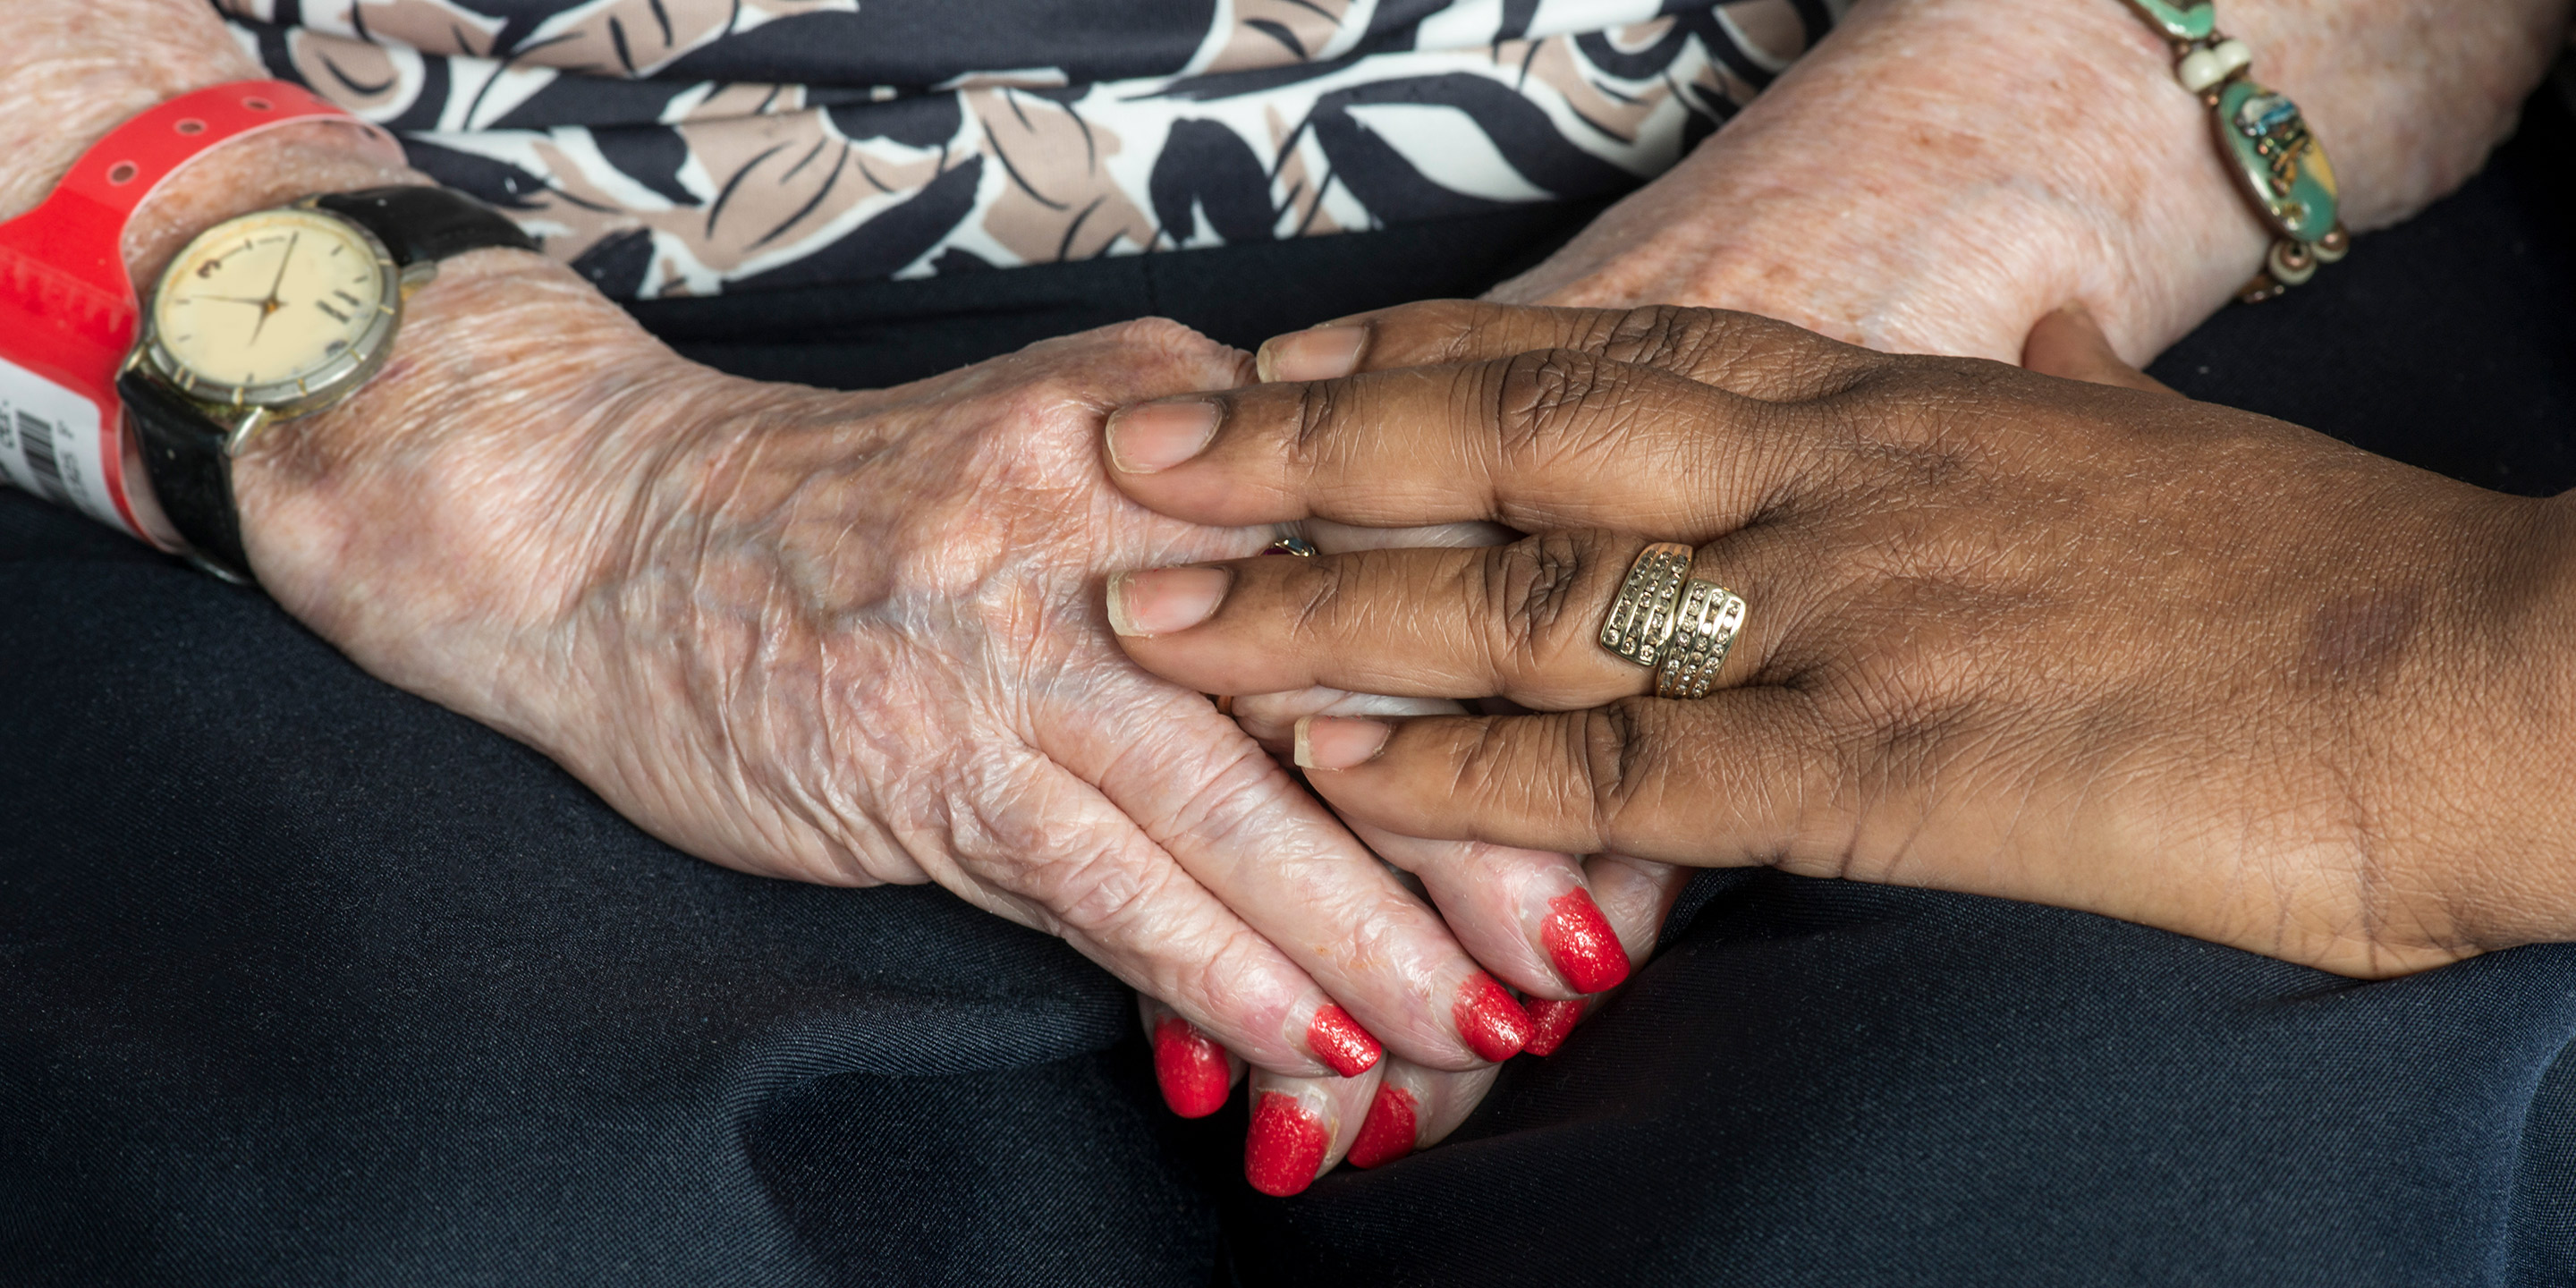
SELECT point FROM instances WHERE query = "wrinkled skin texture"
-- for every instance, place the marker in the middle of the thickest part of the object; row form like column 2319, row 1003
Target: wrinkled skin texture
column 2099, row 647
column 1937, row 175
column 846, row 638
column 839, row 638
column 605, row 564
column 1940, row 176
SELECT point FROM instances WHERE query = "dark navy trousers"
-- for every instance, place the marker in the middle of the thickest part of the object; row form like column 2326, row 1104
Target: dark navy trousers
column 306, row 981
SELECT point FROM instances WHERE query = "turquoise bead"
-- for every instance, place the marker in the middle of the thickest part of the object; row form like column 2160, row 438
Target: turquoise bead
column 2180, row 21
column 2281, row 163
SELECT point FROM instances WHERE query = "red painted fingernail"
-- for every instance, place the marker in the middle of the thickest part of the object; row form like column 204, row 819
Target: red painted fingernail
column 1286, row 1146
column 1387, row 1133
column 1550, row 1022
column 1582, row 944
column 1191, row 1068
column 1494, row 1025
column 1339, row 1041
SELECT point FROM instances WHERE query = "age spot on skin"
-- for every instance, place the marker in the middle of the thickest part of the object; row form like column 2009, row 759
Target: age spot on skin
column 2356, row 639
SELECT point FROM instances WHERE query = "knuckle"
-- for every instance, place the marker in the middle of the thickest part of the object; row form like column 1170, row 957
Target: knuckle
column 1660, row 335
column 1529, row 592
column 1892, row 728
column 1318, row 590
column 1315, row 409
column 1439, row 330
column 1885, row 697
column 1550, row 404
column 1092, row 891
column 1221, row 969
column 1159, row 333
column 1234, row 798
column 1908, row 426
column 1613, row 746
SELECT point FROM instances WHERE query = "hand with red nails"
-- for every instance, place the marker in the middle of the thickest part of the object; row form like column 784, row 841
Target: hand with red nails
column 2099, row 647
column 1482, row 889
column 1557, row 927
column 855, row 638
column 1303, row 1126
column 1410, row 1107
column 1399, row 1105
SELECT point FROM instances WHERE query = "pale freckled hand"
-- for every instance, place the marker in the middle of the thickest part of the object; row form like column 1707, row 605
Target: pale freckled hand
column 855, row 638
column 1938, row 175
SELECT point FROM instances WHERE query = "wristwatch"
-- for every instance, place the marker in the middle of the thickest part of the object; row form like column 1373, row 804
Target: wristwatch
column 278, row 314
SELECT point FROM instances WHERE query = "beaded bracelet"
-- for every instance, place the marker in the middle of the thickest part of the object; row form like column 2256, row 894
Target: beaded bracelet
column 2265, row 141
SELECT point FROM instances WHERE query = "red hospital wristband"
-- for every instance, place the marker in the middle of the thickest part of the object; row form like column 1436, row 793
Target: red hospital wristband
column 67, row 309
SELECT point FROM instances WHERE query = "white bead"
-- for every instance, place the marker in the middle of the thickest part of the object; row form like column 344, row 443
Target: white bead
column 2233, row 56
column 2199, row 70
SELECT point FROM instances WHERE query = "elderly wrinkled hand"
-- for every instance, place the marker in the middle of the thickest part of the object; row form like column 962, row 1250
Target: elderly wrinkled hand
column 853, row 638
column 2098, row 647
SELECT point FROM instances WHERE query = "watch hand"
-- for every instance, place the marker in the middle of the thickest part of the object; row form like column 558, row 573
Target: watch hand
column 269, row 305
column 282, row 262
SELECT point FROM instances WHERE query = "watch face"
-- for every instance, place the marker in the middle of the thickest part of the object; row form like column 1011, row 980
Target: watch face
column 275, row 309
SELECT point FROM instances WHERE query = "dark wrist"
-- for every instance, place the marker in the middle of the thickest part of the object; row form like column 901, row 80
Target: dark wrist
column 2498, row 767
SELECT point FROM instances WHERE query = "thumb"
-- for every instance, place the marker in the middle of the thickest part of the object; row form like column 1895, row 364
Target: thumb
column 2069, row 343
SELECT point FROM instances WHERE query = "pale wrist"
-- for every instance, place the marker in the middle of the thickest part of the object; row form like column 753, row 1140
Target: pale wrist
column 73, row 71
column 472, row 486
column 1871, row 194
column 1937, row 175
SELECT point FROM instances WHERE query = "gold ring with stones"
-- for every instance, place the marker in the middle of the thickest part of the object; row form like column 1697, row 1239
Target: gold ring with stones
column 1642, row 620
column 1704, row 630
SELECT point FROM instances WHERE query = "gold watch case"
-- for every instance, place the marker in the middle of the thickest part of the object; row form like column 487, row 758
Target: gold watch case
column 276, row 314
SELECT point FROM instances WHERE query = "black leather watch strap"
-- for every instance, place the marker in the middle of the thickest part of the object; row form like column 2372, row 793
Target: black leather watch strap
column 183, row 452
column 424, row 224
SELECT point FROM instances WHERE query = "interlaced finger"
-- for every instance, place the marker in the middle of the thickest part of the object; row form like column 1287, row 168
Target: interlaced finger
column 1245, row 831
column 1744, row 776
column 1743, row 352
column 1541, row 440
column 1520, row 621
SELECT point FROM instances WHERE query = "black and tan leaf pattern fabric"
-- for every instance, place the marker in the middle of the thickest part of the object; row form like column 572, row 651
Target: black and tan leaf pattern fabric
column 692, row 147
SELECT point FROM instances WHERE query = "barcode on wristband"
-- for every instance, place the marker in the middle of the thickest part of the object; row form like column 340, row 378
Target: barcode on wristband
column 36, row 448
column 50, row 444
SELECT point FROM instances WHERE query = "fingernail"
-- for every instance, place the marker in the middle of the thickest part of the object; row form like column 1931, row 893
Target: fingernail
column 1582, row 944
column 1387, row 1133
column 1495, row 1026
column 1286, row 1146
column 1190, row 1066
column 1550, row 1023
column 1158, row 601
column 1339, row 742
column 1339, row 1041
column 1319, row 353
column 1159, row 435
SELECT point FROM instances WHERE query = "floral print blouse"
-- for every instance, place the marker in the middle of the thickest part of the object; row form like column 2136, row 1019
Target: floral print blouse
column 690, row 147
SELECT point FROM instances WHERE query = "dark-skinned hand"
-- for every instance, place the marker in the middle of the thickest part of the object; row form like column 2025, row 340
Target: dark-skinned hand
column 2087, row 645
